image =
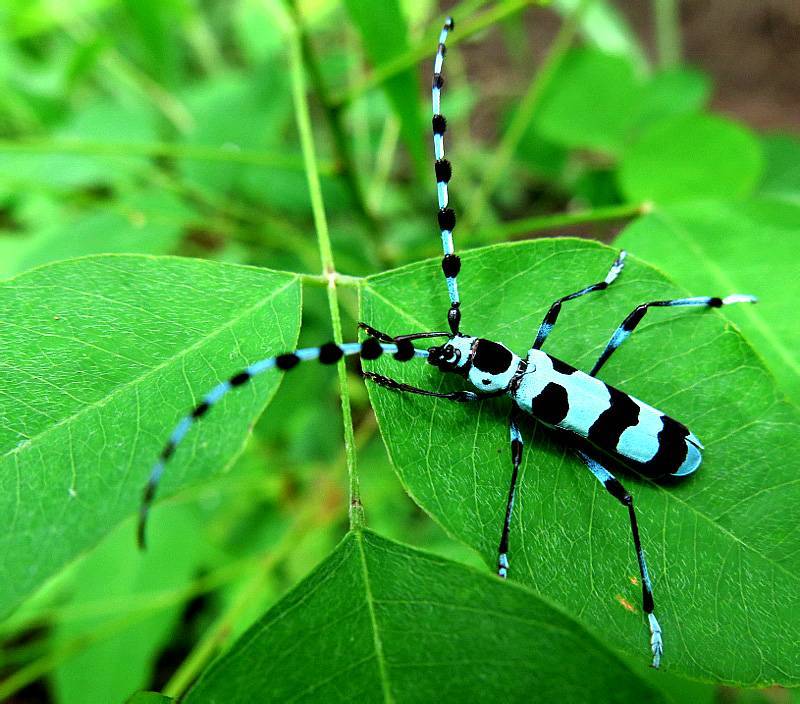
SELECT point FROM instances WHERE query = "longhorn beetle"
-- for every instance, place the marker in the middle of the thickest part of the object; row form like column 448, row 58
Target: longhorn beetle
column 597, row 419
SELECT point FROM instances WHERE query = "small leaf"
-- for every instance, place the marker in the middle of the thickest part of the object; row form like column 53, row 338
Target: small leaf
column 674, row 92
column 720, row 247
column 379, row 621
column 691, row 157
column 781, row 177
column 99, row 359
column 722, row 545
column 592, row 102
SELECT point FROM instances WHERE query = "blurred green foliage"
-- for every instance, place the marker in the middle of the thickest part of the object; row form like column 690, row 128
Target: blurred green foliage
column 167, row 127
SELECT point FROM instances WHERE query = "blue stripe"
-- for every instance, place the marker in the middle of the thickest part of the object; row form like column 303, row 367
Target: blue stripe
column 447, row 241
column 441, row 194
column 217, row 393
column 260, row 366
column 181, row 430
column 452, row 289
column 640, row 442
column 438, row 145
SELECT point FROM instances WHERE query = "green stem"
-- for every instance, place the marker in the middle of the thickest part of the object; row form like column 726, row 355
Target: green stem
column 424, row 49
column 155, row 149
column 326, row 259
column 333, row 114
column 525, row 226
column 668, row 32
column 341, row 280
column 523, row 115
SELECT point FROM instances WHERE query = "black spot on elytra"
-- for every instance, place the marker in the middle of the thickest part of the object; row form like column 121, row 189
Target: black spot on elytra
column 491, row 357
column 671, row 452
column 611, row 423
column 551, row 405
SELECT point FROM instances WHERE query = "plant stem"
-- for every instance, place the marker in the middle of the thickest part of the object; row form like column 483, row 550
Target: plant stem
column 333, row 114
column 341, row 280
column 522, row 117
column 319, row 513
column 668, row 32
column 414, row 55
column 326, row 258
column 539, row 223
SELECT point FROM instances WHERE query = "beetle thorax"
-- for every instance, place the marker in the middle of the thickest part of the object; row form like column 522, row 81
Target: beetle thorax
column 487, row 365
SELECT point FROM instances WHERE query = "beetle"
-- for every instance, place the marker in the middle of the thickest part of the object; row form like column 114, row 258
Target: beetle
column 597, row 419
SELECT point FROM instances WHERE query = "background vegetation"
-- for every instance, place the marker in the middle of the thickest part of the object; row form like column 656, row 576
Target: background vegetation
column 294, row 137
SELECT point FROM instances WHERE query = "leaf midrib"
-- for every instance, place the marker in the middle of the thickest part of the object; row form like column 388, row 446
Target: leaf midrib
column 376, row 637
column 28, row 443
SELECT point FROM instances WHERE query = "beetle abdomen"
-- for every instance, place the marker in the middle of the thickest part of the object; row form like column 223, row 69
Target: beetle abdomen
column 620, row 425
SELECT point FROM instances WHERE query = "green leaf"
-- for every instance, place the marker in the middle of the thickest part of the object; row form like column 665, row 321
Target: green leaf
column 385, row 37
column 691, row 157
column 99, row 359
column 111, row 667
column 379, row 621
column 674, row 92
column 148, row 222
column 781, row 177
column 592, row 102
column 722, row 545
column 721, row 247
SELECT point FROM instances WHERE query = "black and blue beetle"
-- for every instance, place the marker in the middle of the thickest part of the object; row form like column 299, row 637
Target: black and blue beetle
column 598, row 419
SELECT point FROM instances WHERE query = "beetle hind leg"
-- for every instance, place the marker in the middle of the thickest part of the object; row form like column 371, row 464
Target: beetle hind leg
column 615, row 488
